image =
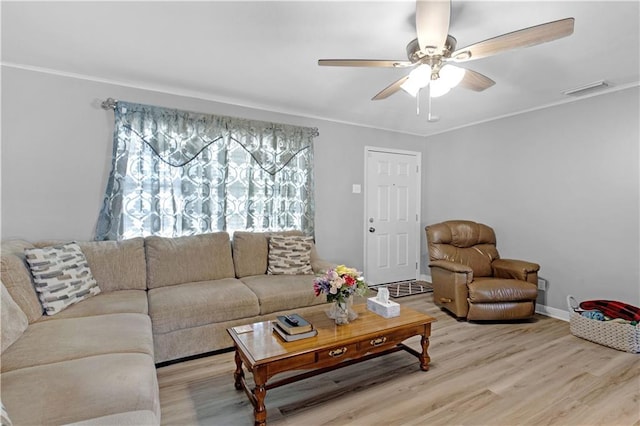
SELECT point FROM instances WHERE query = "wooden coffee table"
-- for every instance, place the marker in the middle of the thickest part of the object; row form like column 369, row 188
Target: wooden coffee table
column 369, row 336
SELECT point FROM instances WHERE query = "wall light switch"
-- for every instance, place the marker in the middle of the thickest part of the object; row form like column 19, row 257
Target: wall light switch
column 356, row 188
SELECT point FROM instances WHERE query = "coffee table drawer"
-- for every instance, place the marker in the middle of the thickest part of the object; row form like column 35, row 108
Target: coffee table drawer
column 373, row 344
column 385, row 340
column 337, row 353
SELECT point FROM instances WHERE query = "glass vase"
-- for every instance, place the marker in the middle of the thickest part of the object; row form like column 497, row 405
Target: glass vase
column 341, row 311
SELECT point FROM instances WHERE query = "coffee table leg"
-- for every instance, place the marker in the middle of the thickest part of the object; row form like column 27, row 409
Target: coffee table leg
column 238, row 375
column 260, row 391
column 424, row 342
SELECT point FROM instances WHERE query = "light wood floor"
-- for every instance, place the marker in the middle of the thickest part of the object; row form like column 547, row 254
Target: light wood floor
column 531, row 373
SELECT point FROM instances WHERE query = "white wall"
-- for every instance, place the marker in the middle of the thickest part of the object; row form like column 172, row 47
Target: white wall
column 56, row 151
column 560, row 186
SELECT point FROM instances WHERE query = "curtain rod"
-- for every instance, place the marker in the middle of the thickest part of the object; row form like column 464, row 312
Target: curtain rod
column 109, row 103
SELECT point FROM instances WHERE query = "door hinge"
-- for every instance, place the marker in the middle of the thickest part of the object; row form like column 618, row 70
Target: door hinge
column 416, row 265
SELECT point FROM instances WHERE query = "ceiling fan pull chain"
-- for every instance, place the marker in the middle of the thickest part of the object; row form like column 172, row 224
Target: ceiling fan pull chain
column 430, row 117
column 418, row 103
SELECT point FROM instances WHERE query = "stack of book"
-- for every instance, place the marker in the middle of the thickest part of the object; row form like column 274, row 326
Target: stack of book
column 293, row 327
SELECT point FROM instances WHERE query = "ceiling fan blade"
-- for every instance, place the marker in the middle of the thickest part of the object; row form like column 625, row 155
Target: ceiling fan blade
column 475, row 81
column 432, row 24
column 390, row 89
column 522, row 38
column 364, row 63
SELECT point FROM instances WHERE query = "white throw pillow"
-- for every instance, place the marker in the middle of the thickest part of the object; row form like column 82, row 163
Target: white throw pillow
column 62, row 276
column 290, row 255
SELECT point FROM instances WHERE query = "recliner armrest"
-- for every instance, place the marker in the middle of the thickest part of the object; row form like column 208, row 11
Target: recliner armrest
column 450, row 281
column 451, row 266
column 516, row 269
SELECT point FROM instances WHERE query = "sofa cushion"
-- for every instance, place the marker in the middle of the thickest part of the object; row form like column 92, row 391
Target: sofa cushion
column 115, row 302
column 251, row 251
column 117, row 265
column 172, row 261
column 14, row 321
column 62, row 276
column 290, row 255
column 81, row 389
column 493, row 290
column 47, row 342
column 17, row 278
column 200, row 303
column 283, row 292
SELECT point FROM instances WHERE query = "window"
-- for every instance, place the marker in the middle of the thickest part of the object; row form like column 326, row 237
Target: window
column 180, row 173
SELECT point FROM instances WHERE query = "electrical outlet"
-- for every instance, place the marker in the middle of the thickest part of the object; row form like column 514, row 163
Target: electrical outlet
column 542, row 284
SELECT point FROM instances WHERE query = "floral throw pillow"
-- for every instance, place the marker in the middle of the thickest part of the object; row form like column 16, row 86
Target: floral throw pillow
column 290, row 255
column 61, row 275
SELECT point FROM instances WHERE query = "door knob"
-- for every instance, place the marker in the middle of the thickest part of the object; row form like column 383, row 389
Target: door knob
column 372, row 229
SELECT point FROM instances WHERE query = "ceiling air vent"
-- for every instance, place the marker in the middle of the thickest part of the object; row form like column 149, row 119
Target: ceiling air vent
column 587, row 88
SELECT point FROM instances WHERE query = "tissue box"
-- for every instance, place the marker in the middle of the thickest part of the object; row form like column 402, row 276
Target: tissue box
column 387, row 310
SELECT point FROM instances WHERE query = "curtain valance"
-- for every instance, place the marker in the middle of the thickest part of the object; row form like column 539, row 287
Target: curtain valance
column 177, row 137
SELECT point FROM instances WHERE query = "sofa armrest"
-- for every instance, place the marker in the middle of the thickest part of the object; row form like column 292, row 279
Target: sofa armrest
column 516, row 269
column 319, row 266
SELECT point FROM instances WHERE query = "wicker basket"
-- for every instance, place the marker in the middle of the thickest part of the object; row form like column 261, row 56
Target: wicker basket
column 624, row 337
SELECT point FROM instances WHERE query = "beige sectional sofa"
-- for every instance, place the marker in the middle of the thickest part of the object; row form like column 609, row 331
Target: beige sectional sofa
column 161, row 299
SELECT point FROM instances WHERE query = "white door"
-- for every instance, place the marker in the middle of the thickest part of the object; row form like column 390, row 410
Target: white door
column 392, row 197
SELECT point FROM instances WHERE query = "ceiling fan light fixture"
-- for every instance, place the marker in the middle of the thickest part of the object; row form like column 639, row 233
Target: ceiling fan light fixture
column 451, row 75
column 438, row 88
column 410, row 87
column 419, row 77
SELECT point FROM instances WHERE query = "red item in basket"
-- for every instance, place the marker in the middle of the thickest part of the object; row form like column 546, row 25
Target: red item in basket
column 613, row 309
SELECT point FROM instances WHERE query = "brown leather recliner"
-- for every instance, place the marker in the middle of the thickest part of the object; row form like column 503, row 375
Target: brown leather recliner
column 470, row 279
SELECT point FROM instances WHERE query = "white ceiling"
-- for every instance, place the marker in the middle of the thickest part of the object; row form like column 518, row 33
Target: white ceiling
column 264, row 54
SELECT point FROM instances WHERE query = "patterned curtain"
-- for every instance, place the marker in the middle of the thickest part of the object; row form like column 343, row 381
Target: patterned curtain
column 180, row 173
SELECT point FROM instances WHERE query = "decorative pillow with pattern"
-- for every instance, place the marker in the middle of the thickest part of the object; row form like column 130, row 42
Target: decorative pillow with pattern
column 62, row 276
column 290, row 255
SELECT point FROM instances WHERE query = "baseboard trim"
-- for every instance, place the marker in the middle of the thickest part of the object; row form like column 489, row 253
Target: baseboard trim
column 552, row 312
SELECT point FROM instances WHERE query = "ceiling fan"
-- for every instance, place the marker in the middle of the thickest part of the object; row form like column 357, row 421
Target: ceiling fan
column 431, row 53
